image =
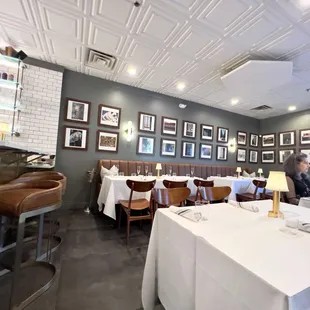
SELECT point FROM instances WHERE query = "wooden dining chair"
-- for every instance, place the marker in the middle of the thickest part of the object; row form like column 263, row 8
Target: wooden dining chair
column 190, row 201
column 141, row 207
column 165, row 197
column 215, row 194
column 253, row 196
column 174, row 184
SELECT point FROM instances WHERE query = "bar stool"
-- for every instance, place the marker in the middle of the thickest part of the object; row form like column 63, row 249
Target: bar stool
column 22, row 201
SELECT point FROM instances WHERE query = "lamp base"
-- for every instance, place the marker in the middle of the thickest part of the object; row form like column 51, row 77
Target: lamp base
column 158, row 174
column 275, row 213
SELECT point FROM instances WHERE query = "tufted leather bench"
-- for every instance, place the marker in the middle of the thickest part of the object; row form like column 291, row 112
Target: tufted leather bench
column 202, row 171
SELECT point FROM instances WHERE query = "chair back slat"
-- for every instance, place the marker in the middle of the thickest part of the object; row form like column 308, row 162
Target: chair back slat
column 170, row 196
column 174, row 184
column 259, row 184
column 139, row 186
column 215, row 193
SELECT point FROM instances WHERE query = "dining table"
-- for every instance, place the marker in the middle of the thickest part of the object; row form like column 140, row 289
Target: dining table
column 114, row 189
column 234, row 259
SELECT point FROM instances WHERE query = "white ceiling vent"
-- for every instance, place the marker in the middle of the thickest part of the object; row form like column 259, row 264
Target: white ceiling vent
column 100, row 61
column 256, row 77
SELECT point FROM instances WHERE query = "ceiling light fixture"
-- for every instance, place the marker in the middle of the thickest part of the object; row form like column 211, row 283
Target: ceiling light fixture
column 292, row 108
column 180, row 86
column 132, row 71
column 234, row 101
column 304, row 3
column 182, row 106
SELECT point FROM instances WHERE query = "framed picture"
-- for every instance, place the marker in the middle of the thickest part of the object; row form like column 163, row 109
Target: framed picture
column 241, row 155
column 287, row 138
column 253, row 140
column 109, row 116
column 269, row 140
column 147, row 122
column 304, row 136
column 169, row 126
column 107, row 141
column 189, row 129
column 206, row 132
column 305, row 151
column 75, row 138
column 222, row 134
column 284, row 154
column 168, row 147
column 221, row 152
column 253, row 156
column 145, row 145
column 241, row 138
column 268, row 157
column 188, row 149
column 205, row 151
column 77, row 111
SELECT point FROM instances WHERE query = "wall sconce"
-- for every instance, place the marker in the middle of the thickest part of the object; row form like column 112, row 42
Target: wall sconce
column 129, row 131
column 232, row 145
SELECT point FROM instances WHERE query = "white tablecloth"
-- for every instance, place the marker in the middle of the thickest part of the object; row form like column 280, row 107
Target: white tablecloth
column 304, row 202
column 114, row 189
column 237, row 260
column 238, row 186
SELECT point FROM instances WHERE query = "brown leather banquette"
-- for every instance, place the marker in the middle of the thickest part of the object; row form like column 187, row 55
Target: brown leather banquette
column 202, row 171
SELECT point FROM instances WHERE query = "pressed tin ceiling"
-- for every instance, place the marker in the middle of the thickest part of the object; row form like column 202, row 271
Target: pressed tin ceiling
column 167, row 42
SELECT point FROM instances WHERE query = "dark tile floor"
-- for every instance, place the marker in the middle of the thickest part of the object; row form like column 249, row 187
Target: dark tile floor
column 98, row 270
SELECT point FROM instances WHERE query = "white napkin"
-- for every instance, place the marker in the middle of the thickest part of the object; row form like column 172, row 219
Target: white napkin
column 249, row 207
column 304, row 226
column 190, row 214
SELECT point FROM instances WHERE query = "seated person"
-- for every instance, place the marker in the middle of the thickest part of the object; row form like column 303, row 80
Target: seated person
column 298, row 181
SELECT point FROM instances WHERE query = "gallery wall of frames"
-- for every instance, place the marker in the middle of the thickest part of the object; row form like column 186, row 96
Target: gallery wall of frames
column 195, row 137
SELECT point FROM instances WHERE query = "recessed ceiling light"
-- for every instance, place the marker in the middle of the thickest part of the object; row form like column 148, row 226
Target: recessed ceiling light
column 304, row 3
column 234, row 101
column 291, row 108
column 180, row 86
column 132, row 71
column 182, row 106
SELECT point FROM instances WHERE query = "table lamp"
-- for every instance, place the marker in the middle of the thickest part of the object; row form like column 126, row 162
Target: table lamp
column 238, row 170
column 4, row 129
column 158, row 168
column 260, row 171
column 277, row 183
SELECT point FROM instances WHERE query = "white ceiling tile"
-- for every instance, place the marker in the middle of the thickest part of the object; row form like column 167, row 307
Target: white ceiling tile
column 170, row 41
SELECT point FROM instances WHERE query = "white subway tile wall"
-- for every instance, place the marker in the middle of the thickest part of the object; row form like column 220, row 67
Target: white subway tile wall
column 38, row 123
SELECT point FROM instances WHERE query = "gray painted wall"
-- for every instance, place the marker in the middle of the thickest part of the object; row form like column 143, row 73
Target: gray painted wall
column 131, row 100
column 290, row 121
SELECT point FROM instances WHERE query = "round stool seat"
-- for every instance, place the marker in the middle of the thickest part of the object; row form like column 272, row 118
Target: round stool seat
column 44, row 177
column 16, row 199
column 39, row 173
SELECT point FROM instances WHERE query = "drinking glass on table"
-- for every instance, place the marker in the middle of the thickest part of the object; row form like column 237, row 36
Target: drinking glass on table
column 146, row 170
column 187, row 175
column 150, row 174
column 218, row 175
column 235, row 176
column 288, row 222
column 170, row 170
column 204, row 211
column 192, row 171
column 133, row 174
column 138, row 170
column 121, row 174
column 174, row 174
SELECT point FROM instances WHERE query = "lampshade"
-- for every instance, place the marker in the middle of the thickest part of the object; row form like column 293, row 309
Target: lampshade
column 239, row 169
column 158, row 166
column 5, row 127
column 260, row 170
column 277, row 181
